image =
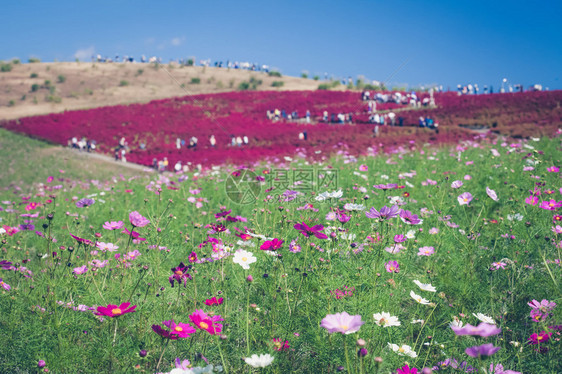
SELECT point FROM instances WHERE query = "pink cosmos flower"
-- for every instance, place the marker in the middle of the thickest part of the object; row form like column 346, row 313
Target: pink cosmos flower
column 557, row 218
column 492, row 194
column 553, row 169
column 208, row 323
column 114, row 310
column 557, row 229
column 483, row 350
column 464, row 198
column 113, row 225
column 456, row 184
column 409, row 218
column 363, row 168
column 107, row 246
column 433, row 230
column 392, row 267
column 137, row 220
column 426, row 251
column 544, row 305
column 532, row 200
column 483, row 330
column 182, row 330
column 4, row 285
column 498, row 265
column 271, row 245
column 342, row 322
column 80, row 270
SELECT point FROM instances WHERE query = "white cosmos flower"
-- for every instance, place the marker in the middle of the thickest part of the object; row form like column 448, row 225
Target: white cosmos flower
column 420, row 321
column 411, row 234
column 244, row 259
column 484, row 318
column 329, row 195
column 418, row 298
column 456, row 322
column 260, row 361
column 352, row 207
column 425, row 287
column 384, row 319
column 403, row 350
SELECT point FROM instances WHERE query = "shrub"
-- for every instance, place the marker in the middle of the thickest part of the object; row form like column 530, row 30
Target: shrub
column 53, row 99
column 277, row 84
column 244, row 86
column 190, row 62
column 274, row 74
column 33, row 60
column 11, row 103
column 123, row 83
column 47, row 84
column 323, row 86
column 304, row 75
column 316, row 77
column 195, row 80
column 35, row 87
column 16, row 61
column 23, row 97
column 4, row 68
column 33, row 75
column 61, row 78
column 139, row 72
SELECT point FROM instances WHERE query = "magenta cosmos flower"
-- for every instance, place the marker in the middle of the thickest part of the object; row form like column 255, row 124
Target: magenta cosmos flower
column 483, row 350
column 384, row 213
column 177, row 330
column 342, row 322
column 137, row 220
column 483, row 330
column 540, row 338
column 272, row 245
column 205, row 322
column 465, row 198
column 113, row 225
column 551, row 204
column 114, row 310
column 307, row 231
column 407, row 370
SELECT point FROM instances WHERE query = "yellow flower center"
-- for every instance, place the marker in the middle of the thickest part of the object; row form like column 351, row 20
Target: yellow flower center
column 401, row 350
column 539, row 338
column 278, row 344
column 392, row 268
column 465, row 199
column 244, row 259
column 178, row 272
column 116, row 311
column 204, row 325
column 178, row 329
column 344, row 327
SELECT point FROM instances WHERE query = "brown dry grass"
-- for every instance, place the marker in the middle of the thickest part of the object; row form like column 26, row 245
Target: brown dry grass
column 91, row 85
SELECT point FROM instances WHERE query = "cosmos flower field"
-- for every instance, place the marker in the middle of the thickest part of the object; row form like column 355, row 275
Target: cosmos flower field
column 424, row 260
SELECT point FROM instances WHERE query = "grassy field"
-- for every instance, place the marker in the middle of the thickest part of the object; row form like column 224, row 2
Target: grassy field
column 488, row 245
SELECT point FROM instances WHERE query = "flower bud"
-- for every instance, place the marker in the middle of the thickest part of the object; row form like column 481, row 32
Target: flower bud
column 250, row 279
column 362, row 352
column 361, row 342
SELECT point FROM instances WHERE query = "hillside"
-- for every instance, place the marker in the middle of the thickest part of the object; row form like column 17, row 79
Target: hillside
column 42, row 88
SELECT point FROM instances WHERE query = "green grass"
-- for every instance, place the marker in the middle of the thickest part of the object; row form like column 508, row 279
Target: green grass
column 291, row 294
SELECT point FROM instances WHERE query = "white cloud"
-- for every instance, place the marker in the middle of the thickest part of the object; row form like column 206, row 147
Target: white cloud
column 177, row 41
column 85, row 53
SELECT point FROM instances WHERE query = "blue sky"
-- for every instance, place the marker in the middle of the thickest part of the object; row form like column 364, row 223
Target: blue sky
column 413, row 42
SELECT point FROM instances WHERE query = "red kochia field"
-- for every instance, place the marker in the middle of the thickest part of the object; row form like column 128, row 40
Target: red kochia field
column 159, row 123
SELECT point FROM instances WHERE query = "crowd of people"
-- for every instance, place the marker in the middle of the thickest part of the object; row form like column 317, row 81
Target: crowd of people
column 82, row 144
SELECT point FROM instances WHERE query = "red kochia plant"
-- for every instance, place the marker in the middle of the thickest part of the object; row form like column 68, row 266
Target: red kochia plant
column 160, row 122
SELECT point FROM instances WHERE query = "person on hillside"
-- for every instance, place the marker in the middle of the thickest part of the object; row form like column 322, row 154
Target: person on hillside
column 246, row 140
column 123, row 155
column 178, row 144
column 213, row 141
column 239, row 141
column 301, row 136
column 325, row 116
column 232, row 141
column 155, row 163
column 177, row 167
column 305, row 134
column 165, row 163
column 392, row 118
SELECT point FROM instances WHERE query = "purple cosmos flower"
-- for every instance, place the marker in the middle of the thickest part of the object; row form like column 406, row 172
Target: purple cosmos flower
column 137, row 219
column 498, row 369
column 389, row 186
column 223, row 214
column 551, row 204
column 342, row 322
column 411, row 219
column 532, row 200
column 483, row 330
column 392, row 267
column 6, row 265
column 180, row 274
column 399, row 238
column 271, row 245
column 385, row 212
column 82, row 240
column 464, row 198
column 482, row 351
column 83, row 203
column 492, row 194
column 113, row 225
column 307, row 231
column 294, row 247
